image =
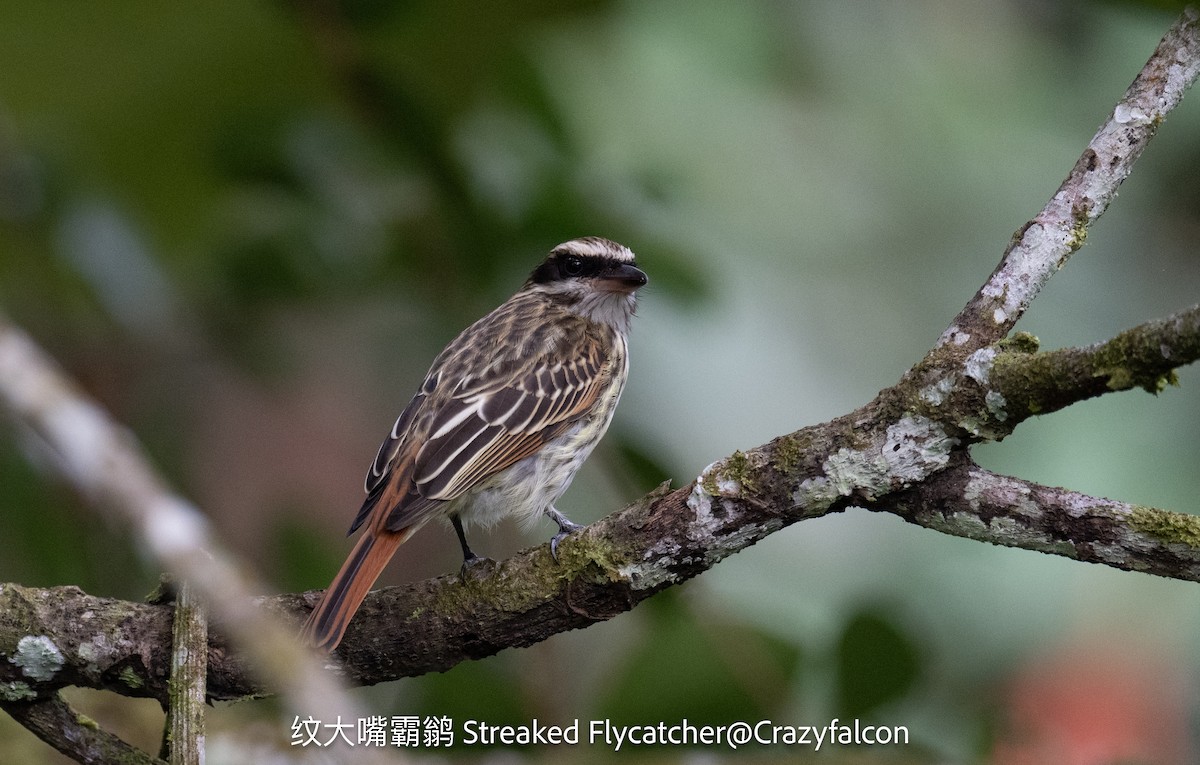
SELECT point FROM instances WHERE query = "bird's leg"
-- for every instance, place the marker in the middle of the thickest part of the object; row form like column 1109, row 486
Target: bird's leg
column 565, row 526
column 469, row 557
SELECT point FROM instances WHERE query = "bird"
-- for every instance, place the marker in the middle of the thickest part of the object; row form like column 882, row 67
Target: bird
column 504, row 418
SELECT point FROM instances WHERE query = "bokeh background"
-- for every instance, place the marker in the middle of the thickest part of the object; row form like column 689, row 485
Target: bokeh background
column 247, row 227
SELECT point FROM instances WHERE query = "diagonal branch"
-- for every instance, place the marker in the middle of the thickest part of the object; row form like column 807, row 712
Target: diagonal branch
column 881, row 456
column 967, row 501
column 1041, row 247
column 433, row 625
column 55, row 722
column 105, row 463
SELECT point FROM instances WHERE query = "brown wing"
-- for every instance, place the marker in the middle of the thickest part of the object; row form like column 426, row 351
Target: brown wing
column 384, row 465
column 490, row 423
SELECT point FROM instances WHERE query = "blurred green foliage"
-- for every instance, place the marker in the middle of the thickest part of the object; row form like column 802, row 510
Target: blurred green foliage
column 876, row 664
column 692, row 664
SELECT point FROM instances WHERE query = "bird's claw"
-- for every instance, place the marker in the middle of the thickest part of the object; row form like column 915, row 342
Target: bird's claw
column 476, row 568
column 565, row 529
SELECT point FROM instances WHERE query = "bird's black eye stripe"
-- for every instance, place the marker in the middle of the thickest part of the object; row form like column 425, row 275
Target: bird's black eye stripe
column 571, row 265
column 566, row 265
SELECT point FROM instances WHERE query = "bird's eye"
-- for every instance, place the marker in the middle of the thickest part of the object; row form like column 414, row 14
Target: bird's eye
column 572, row 266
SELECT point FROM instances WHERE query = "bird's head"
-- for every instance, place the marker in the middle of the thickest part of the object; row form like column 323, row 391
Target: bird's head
column 594, row 277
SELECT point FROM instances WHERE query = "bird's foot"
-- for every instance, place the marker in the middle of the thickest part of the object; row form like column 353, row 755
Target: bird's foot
column 476, row 568
column 566, row 527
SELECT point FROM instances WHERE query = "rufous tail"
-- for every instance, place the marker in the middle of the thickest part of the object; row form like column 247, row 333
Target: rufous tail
column 328, row 621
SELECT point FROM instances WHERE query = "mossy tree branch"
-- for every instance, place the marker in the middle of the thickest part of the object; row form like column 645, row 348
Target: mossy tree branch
column 1144, row 357
column 899, row 454
column 967, row 501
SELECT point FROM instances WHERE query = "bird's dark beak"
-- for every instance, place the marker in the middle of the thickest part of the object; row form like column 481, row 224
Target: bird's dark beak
column 622, row 278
